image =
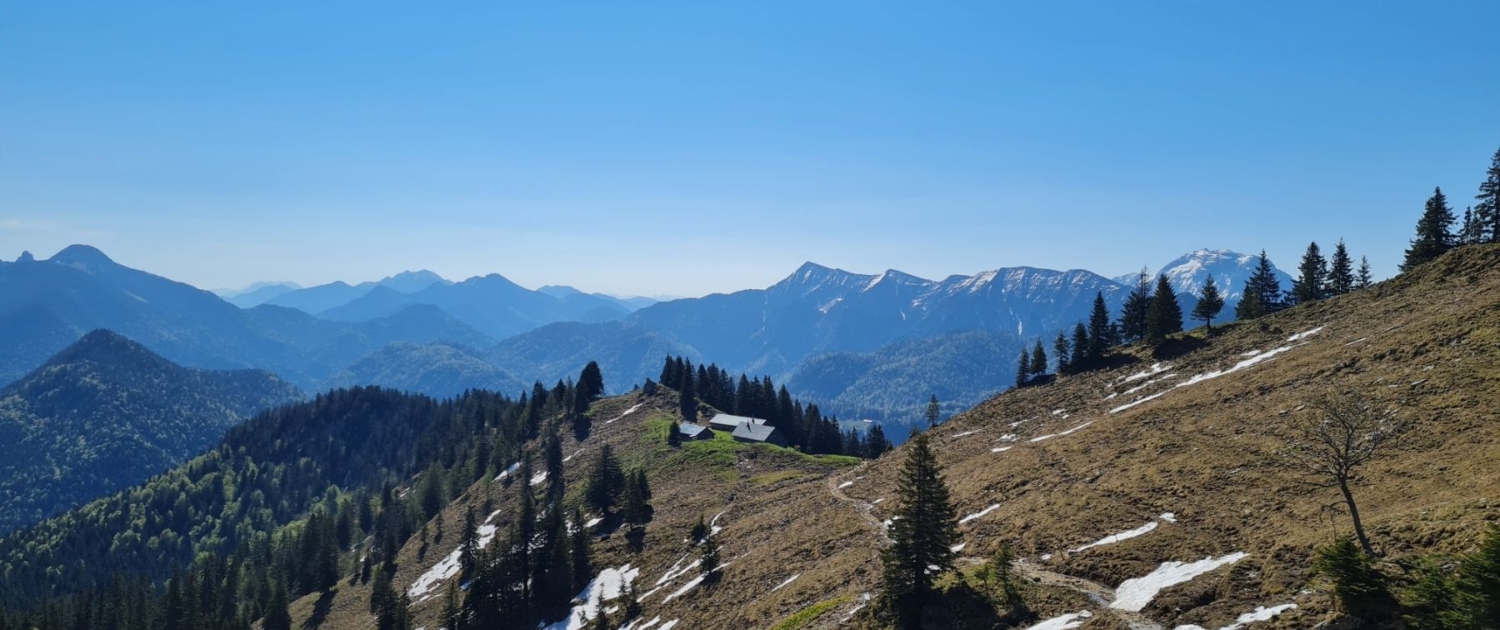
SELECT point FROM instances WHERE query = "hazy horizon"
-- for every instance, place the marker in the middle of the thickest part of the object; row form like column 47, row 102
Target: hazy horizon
column 686, row 149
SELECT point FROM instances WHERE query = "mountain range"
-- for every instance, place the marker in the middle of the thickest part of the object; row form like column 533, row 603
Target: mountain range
column 859, row 343
column 106, row 413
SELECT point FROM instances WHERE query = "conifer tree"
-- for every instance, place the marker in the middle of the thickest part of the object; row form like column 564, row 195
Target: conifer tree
column 452, row 618
column 876, row 444
column 1060, row 348
column 1023, row 368
column 1359, row 588
column 468, row 541
column 1209, row 304
column 581, row 547
column 1312, row 280
column 1262, row 293
column 1137, row 310
column 277, row 616
column 688, row 401
column 709, row 554
column 606, row 481
column 1363, row 280
column 1487, row 210
column 699, row 531
column 635, row 497
column 1434, row 235
column 1341, row 271
column 1099, row 332
column 1478, row 582
column 1470, row 231
column 932, row 411
column 1165, row 314
column 1079, row 359
column 923, row 532
column 1038, row 359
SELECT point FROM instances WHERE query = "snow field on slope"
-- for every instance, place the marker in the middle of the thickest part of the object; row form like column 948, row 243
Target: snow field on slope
column 1133, row 594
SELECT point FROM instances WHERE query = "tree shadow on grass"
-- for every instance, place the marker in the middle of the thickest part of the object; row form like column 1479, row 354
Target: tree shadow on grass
column 320, row 610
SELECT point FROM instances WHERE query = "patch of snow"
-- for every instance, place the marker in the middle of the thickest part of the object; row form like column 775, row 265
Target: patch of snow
column 1065, row 622
column 1168, row 517
column 1001, row 449
column 1261, row 613
column 1250, row 353
column 631, row 626
column 1046, row 556
column 864, row 600
column 627, row 412
column 877, row 501
column 592, row 522
column 668, row 625
column 677, row 570
column 508, row 471
column 1199, row 378
column 1304, row 334
column 1357, row 341
column 575, row 454
column 846, row 484
column 958, row 547
column 1008, row 437
column 1133, row 594
column 1156, row 368
column 979, row 514
column 537, row 479
column 447, row 567
column 1114, row 538
column 607, row 586
column 1058, row 411
column 1068, row 432
column 693, row 583
column 967, row 433
column 788, row 581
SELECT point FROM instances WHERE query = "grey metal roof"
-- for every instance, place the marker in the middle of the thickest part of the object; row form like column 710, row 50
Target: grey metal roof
column 728, row 420
column 753, row 431
column 690, row 430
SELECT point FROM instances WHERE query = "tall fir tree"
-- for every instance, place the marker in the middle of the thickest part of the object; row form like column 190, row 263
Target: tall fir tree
column 1340, row 271
column 1434, row 232
column 933, row 410
column 1262, row 292
column 1487, row 210
column 606, row 481
column 688, row 401
column 1038, row 359
column 1209, row 304
column 1023, row 368
column 590, row 385
column 923, row 533
column 1470, row 230
column 277, row 616
column 1362, row 278
column 1311, row 283
column 1166, row 312
column 1079, row 359
column 1060, row 349
column 1099, row 328
column 1136, row 313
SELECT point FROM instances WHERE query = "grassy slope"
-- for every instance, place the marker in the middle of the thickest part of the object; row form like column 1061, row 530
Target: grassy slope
column 1431, row 346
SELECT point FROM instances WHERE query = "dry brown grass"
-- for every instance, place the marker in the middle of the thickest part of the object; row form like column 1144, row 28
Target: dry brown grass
column 1427, row 343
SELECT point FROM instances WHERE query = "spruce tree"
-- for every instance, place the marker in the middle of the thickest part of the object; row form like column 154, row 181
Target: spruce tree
column 468, row 539
column 1487, row 210
column 1312, row 280
column 1098, row 329
column 933, row 410
column 876, row 444
column 1341, row 271
column 1080, row 360
column 1137, row 309
column 1209, row 304
column 635, row 497
column 590, row 385
column 606, row 481
column 452, row 618
column 1434, row 235
column 1165, row 314
column 1023, row 368
column 923, row 532
column 1470, row 231
column 581, row 548
column 709, row 554
column 277, row 616
column 1363, row 280
column 1478, row 582
column 1038, row 359
column 1060, row 348
column 1359, row 588
column 688, row 401
column 1262, row 292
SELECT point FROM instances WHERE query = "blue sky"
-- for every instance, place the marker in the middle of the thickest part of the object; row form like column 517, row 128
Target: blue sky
column 683, row 148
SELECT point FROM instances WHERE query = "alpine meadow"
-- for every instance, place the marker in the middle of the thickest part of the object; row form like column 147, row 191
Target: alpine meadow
column 490, row 316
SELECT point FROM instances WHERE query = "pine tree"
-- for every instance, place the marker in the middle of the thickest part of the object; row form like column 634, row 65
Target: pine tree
column 452, row 618
column 1363, row 280
column 277, row 616
column 606, row 481
column 635, row 497
column 1341, row 271
column 1080, row 360
column 1060, row 348
column 1478, row 584
column 876, row 444
column 1165, row 314
column 1434, row 235
column 1487, row 210
column 1038, row 359
column 1023, row 369
column 1209, row 304
column 1359, row 588
column 923, row 532
column 932, row 411
column 1470, row 231
column 1262, row 293
column 709, row 553
column 699, row 531
column 1098, row 329
column 688, row 401
column 581, row 547
column 1137, row 310
column 468, row 541
column 1311, row 284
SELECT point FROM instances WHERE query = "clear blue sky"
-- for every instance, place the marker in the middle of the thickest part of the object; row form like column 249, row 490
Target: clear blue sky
column 654, row 148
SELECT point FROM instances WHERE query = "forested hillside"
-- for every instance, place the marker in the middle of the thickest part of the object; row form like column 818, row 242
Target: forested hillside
column 106, row 413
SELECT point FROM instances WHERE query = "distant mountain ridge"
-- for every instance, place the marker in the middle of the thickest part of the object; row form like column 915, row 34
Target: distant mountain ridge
column 314, row 300
column 106, row 413
column 1230, row 270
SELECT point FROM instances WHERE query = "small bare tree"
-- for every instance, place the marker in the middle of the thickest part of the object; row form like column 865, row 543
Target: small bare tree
column 1335, row 435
